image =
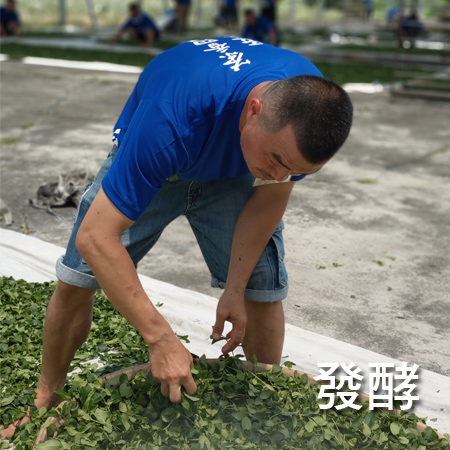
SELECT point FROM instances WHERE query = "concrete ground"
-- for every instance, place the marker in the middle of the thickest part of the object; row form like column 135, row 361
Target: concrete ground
column 367, row 237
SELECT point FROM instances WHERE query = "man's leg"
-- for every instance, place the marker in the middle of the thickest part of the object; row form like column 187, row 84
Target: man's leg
column 212, row 213
column 69, row 313
column 183, row 11
column 67, row 324
column 264, row 334
column 149, row 38
column 134, row 35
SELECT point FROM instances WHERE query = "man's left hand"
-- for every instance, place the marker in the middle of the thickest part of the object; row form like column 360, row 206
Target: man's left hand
column 231, row 308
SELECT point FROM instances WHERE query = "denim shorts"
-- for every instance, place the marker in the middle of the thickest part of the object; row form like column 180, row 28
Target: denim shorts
column 212, row 209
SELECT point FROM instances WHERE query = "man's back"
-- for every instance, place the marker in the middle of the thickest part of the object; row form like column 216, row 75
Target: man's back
column 193, row 95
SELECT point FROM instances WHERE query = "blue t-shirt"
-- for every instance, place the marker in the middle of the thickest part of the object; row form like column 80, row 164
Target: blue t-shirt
column 140, row 23
column 230, row 4
column 260, row 31
column 7, row 16
column 183, row 116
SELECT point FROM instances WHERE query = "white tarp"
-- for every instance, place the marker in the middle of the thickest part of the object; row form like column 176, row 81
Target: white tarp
column 193, row 314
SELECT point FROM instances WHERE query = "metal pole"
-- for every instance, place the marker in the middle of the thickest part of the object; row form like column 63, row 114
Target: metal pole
column 345, row 8
column 198, row 11
column 320, row 10
column 92, row 15
column 62, row 12
column 292, row 11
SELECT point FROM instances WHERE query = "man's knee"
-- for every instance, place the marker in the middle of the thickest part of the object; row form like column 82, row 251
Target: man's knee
column 73, row 295
column 265, row 318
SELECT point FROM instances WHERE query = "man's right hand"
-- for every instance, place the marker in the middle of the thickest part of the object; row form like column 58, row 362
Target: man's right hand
column 171, row 365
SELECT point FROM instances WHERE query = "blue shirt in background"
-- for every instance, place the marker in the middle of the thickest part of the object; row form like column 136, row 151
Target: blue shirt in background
column 260, row 31
column 7, row 16
column 141, row 23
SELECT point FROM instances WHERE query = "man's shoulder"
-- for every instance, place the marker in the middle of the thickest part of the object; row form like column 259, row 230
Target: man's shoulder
column 229, row 62
column 146, row 18
column 264, row 22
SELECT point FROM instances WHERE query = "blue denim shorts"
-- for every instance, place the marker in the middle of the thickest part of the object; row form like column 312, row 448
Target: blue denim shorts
column 212, row 209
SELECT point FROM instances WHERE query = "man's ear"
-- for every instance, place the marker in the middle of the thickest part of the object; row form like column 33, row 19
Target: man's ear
column 254, row 109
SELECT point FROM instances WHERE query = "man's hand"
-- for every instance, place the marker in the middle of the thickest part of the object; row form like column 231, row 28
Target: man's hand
column 231, row 308
column 171, row 365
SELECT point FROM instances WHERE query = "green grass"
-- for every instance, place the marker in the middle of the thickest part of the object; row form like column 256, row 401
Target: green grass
column 353, row 72
column 342, row 73
column 137, row 58
column 389, row 49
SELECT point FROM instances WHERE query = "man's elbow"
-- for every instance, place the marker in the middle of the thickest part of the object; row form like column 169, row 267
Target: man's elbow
column 85, row 242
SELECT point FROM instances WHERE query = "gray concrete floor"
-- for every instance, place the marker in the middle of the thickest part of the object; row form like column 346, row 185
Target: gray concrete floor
column 367, row 238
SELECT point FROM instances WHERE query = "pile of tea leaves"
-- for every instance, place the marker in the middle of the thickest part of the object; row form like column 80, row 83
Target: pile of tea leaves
column 234, row 407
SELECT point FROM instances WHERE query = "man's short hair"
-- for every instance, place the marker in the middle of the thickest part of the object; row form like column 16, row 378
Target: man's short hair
column 319, row 111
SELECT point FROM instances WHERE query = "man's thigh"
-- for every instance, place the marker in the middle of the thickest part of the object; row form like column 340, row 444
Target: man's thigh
column 213, row 218
column 168, row 204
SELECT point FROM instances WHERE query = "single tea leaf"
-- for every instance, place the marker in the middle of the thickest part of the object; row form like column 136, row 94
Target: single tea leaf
column 246, row 423
column 52, row 444
column 395, row 428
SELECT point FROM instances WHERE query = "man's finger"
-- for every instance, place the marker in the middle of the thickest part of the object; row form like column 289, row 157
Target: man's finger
column 230, row 346
column 175, row 393
column 190, row 386
column 191, row 359
column 165, row 391
column 218, row 329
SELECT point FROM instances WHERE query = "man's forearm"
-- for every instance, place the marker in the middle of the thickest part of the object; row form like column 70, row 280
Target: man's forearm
column 99, row 243
column 255, row 226
column 170, row 361
column 121, row 284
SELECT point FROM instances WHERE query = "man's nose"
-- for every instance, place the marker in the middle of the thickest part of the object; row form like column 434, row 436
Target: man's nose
column 280, row 173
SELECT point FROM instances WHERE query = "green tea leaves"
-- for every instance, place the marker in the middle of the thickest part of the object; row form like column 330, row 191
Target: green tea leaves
column 233, row 409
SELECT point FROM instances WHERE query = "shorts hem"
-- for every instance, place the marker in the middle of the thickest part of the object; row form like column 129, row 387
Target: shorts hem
column 75, row 278
column 255, row 295
column 266, row 296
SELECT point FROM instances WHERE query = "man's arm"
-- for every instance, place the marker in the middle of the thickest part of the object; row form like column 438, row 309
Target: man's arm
column 116, row 37
column 273, row 37
column 150, row 35
column 99, row 243
column 255, row 226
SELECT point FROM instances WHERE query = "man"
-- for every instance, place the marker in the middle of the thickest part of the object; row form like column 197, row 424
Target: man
column 368, row 9
column 259, row 28
column 219, row 114
column 9, row 19
column 230, row 12
column 411, row 26
column 182, row 8
column 269, row 10
column 139, row 27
